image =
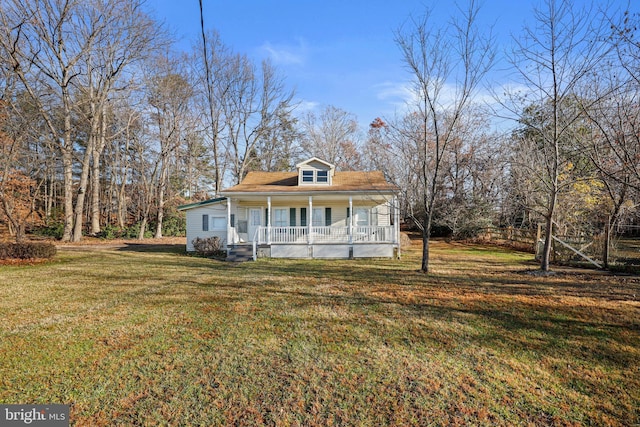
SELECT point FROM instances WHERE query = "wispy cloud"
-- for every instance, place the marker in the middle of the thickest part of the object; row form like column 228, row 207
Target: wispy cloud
column 402, row 95
column 394, row 91
column 303, row 106
column 285, row 54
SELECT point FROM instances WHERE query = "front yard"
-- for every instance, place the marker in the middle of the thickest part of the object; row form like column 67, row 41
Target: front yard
column 132, row 336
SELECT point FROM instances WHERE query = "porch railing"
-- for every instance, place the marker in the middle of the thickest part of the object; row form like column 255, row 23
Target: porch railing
column 310, row 235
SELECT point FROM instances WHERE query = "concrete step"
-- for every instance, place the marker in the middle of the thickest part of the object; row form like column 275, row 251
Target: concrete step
column 240, row 254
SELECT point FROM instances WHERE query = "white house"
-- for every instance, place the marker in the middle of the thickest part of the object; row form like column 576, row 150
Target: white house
column 313, row 212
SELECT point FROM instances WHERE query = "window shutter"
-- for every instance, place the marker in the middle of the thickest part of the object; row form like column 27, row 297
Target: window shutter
column 205, row 222
column 292, row 217
column 327, row 217
column 266, row 216
column 303, row 217
column 233, row 220
column 348, row 216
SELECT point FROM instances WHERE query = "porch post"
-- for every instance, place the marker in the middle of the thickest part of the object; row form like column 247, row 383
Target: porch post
column 229, row 232
column 350, row 220
column 396, row 223
column 268, row 220
column 310, row 221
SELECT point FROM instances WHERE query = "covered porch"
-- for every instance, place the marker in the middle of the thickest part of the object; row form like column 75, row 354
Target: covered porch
column 315, row 226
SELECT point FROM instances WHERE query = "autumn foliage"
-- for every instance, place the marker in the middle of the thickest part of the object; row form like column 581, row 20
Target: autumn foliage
column 17, row 189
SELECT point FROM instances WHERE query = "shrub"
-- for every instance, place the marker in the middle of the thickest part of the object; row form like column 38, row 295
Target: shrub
column 210, row 246
column 27, row 250
column 110, row 232
column 54, row 229
column 174, row 225
column 133, row 231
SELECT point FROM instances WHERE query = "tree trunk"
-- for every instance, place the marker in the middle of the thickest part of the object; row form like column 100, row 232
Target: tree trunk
column 82, row 191
column 425, row 252
column 95, row 175
column 161, row 190
column 548, row 238
column 143, row 225
column 67, row 163
column 122, row 203
column 95, row 194
column 426, row 237
column 20, row 233
column 158, row 234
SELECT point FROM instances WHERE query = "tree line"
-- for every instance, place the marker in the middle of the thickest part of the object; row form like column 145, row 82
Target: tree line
column 105, row 125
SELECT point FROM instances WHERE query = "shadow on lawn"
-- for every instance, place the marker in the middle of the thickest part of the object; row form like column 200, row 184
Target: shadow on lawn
column 541, row 329
column 153, row 248
column 493, row 281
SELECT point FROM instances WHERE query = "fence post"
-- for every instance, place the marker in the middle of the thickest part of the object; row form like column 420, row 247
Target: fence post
column 537, row 241
column 605, row 252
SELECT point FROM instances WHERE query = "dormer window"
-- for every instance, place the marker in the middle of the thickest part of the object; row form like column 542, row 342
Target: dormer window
column 315, row 172
column 321, row 177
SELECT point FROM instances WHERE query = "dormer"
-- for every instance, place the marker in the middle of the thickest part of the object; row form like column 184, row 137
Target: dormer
column 315, row 172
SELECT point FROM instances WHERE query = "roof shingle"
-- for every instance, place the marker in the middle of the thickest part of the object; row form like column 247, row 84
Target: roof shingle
column 287, row 182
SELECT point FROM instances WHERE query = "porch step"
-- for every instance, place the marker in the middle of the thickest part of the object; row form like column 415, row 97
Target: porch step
column 240, row 253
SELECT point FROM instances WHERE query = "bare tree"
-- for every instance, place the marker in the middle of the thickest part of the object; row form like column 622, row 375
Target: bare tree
column 332, row 136
column 59, row 49
column 447, row 64
column 21, row 174
column 169, row 94
column 45, row 45
column 251, row 111
column 214, row 77
column 553, row 58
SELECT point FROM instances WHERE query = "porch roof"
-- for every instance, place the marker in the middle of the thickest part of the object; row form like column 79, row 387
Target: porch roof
column 203, row 203
column 287, row 182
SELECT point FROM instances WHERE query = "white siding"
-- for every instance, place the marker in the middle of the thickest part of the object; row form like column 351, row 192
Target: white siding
column 383, row 215
column 331, row 251
column 290, row 251
column 194, row 223
column 373, row 251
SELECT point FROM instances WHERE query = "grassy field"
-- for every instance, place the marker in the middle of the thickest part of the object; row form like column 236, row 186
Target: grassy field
column 133, row 336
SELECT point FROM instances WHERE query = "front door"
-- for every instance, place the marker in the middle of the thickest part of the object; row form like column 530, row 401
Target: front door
column 255, row 216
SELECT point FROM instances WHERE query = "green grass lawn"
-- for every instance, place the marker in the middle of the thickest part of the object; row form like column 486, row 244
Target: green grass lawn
column 133, row 337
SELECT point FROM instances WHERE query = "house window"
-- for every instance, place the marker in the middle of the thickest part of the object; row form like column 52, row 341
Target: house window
column 317, row 217
column 205, row 222
column 254, row 219
column 361, row 217
column 219, row 222
column 281, row 217
column 315, row 177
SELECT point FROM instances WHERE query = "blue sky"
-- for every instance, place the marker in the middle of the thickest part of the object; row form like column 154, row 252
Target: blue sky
column 333, row 52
